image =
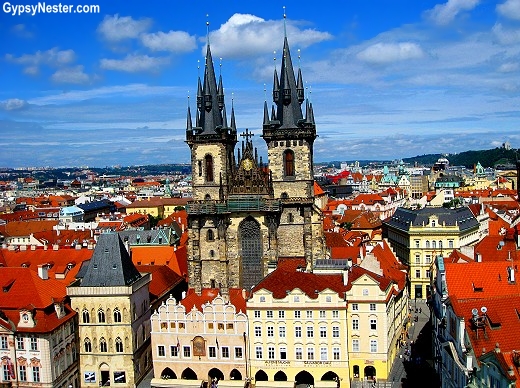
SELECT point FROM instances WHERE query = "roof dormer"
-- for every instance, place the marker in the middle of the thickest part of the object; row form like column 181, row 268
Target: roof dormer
column 26, row 318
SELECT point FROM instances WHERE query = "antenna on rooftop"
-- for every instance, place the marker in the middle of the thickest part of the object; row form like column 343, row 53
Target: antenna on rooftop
column 483, row 309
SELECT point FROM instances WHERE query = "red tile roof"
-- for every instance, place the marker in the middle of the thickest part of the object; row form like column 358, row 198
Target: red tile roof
column 25, row 228
column 163, row 279
column 497, row 248
column 318, row 190
column 174, row 258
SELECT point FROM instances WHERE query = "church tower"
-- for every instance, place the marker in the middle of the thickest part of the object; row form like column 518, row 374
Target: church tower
column 245, row 215
column 211, row 140
column 290, row 139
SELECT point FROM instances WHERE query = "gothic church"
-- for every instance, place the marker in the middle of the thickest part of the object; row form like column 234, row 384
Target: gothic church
column 246, row 215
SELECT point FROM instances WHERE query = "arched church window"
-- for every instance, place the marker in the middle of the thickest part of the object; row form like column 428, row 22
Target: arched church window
column 290, row 218
column 88, row 345
column 199, row 165
column 210, row 235
column 284, row 195
column 117, row 315
column 119, row 345
column 86, row 316
column 209, row 168
column 288, row 163
column 101, row 316
column 103, row 345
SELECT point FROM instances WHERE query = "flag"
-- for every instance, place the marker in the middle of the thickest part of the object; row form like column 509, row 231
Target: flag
column 10, row 367
column 178, row 344
column 217, row 343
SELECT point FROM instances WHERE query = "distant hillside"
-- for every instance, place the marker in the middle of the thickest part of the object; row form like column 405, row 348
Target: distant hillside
column 496, row 157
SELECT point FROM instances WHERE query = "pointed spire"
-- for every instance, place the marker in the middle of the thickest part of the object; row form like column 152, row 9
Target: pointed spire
column 311, row 114
column 273, row 113
column 284, row 23
column 220, row 89
column 199, row 95
column 233, row 123
column 299, row 87
column 276, row 88
column 266, row 114
column 189, row 125
column 224, row 117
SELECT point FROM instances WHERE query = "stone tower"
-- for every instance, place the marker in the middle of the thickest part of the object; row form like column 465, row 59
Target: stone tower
column 245, row 215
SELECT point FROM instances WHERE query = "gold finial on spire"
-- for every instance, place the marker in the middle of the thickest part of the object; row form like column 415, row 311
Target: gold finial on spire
column 265, row 92
column 284, row 24
column 207, row 29
column 299, row 57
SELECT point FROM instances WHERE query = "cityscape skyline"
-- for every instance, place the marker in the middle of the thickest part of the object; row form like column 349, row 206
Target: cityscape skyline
column 405, row 79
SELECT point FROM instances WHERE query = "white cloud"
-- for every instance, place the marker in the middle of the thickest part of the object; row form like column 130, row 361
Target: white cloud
column 390, row 52
column 174, row 41
column 445, row 13
column 70, row 75
column 116, row 28
column 53, row 58
column 510, row 9
column 506, row 35
column 508, row 67
column 245, row 35
column 21, row 31
column 13, row 104
column 134, row 63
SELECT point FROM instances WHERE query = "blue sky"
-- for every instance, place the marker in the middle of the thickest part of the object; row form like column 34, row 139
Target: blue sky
column 387, row 79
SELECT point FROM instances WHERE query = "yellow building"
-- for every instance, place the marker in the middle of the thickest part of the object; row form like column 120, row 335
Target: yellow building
column 298, row 329
column 111, row 299
column 417, row 236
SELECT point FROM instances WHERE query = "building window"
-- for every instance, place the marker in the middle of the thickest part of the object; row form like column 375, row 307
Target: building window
column 296, row 299
column 225, row 352
column 283, row 353
column 103, row 345
column 290, row 218
column 238, row 352
column 433, row 225
column 324, row 354
column 297, row 314
column 258, row 352
column 373, row 346
column 36, row 374
column 199, row 165
column 212, row 352
column 310, row 332
column 3, row 342
column 335, row 314
column 372, row 307
column 258, row 331
column 119, row 345
column 270, row 331
column 450, row 243
column 281, row 314
column 434, row 244
column 373, row 324
column 335, row 331
column 310, row 353
column 298, row 332
column 34, row 343
column 298, row 353
column 86, row 316
column 160, row 351
column 101, row 316
column 355, row 307
column 270, row 352
column 269, row 314
column 428, row 273
column 22, row 373
column 257, row 314
column 6, row 373
column 417, row 273
column 288, row 163
column 355, row 324
column 309, row 314
column 428, row 259
column 323, row 314
column 355, row 345
column 281, row 331
column 19, row 343
column 427, row 243
column 323, row 332
column 417, row 258
column 210, row 236
column 87, row 345
column 440, row 244
column 365, row 291
column 186, row 351
column 335, row 354
column 208, row 161
column 417, row 243
column 117, row 315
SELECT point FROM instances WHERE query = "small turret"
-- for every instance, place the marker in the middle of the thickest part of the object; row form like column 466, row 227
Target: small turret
column 299, row 87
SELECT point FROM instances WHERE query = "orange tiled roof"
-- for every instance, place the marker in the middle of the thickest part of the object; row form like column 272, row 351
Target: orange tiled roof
column 175, row 259
column 317, row 189
column 236, row 298
column 163, row 279
column 25, row 228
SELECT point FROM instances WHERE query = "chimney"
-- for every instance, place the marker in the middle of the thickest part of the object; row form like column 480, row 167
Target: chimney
column 510, row 274
column 43, row 271
column 244, row 293
column 345, row 276
column 497, row 348
column 55, row 247
column 183, row 295
column 479, row 257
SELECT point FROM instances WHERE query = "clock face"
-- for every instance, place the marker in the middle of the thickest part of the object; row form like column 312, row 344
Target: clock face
column 247, row 164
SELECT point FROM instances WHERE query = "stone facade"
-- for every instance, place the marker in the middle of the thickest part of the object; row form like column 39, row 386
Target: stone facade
column 246, row 215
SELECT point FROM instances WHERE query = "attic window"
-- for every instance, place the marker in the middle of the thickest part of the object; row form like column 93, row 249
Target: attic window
column 95, row 266
column 478, row 286
column 114, row 266
column 106, row 250
column 494, row 319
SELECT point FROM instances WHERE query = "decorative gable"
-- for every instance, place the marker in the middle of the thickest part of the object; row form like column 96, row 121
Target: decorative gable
column 26, row 318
